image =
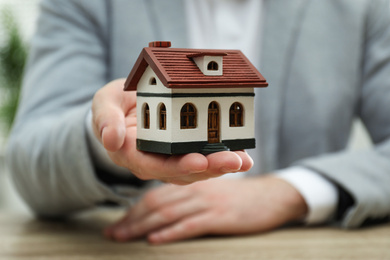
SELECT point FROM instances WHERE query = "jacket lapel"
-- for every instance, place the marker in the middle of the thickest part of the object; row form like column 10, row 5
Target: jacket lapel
column 282, row 24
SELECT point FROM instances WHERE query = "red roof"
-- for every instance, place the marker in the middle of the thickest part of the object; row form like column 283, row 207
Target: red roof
column 176, row 69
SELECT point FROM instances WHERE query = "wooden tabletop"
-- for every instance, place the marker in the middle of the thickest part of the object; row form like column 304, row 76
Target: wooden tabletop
column 23, row 237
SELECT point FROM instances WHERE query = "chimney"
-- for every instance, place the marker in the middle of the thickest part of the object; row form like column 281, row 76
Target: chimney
column 160, row 44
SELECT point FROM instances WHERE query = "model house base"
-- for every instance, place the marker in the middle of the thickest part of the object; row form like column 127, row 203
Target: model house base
column 194, row 147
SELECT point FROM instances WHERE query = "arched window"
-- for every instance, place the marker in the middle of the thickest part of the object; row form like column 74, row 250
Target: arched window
column 188, row 116
column 212, row 65
column 152, row 81
column 146, row 113
column 236, row 115
column 163, row 117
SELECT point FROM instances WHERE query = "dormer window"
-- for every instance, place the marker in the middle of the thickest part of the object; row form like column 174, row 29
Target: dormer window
column 212, row 65
column 152, row 81
column 209, row 63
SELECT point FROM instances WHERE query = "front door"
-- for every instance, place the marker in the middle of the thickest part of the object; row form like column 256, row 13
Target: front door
column 213, row 123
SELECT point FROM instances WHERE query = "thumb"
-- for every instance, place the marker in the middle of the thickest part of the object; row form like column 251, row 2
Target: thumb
column 113, row 133
column 108, row 118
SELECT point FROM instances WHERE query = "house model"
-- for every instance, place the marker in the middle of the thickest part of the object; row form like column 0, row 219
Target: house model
column 193, row 100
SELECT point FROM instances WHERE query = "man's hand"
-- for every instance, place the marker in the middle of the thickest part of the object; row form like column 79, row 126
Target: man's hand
column 115, row 125
column 218, row 206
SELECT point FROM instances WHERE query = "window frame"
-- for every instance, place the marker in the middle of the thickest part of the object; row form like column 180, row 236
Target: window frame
column 146, row 116
column 188, row 116
column 213, row 66
column 153, row 81
column 236, row 115
column 162, row 115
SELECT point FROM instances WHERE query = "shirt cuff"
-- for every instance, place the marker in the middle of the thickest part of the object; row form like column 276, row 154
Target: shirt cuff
column 99, row 153
column 319, row 193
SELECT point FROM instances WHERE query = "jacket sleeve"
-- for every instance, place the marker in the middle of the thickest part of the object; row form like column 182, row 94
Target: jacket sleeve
column 365, row 175
column 48, row 152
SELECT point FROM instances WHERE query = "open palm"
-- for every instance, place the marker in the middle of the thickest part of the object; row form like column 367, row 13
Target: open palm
column 115, row 125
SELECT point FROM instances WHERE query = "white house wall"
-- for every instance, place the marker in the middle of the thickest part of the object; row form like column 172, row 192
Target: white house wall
column 153, row 133
column 144, row 86
column 201, row 132
column 173, row 132
column 243, row 132
column 202, row 103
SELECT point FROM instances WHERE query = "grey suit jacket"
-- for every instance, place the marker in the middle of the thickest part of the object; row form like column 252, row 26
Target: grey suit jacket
column 327, row 62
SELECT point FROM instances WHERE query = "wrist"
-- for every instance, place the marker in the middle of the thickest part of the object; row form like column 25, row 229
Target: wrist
column 319, row 193
column 291, row 199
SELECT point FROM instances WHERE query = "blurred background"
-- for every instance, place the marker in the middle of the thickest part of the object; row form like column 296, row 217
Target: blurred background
column 17, row 25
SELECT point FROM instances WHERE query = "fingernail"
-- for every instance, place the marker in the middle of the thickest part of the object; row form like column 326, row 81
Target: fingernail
column 197, row 171
column 227, row 170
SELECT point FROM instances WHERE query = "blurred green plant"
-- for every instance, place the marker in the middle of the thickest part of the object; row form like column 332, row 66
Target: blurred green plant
column 13, row 56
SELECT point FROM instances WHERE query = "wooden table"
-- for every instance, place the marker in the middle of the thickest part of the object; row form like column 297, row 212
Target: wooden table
column 22, row 237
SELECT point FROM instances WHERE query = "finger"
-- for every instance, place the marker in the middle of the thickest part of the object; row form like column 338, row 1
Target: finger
column 190, row 227
column 153, row 200
column 190, row 179
column 155, row 166
column 247, row 161
column 218, row 164
column 224, row 162
column 158, row 219
column 158, row 198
